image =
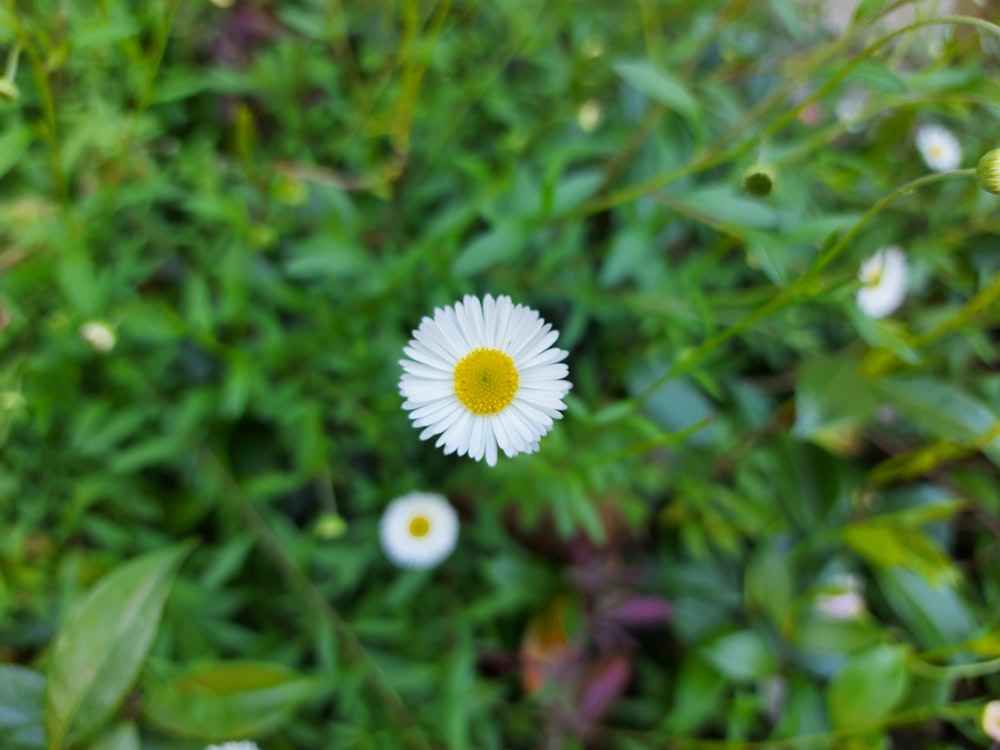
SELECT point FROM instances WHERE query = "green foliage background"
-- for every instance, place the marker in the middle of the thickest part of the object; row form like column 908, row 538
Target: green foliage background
column 263, row 200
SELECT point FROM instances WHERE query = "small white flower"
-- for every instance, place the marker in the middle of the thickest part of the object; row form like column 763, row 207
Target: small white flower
column 483, row 375
column 589, row 116
column 843, row 599
column 991, row 720
column 883, row 278
column 242, row 745
column 850, row 107
column 418, row 530
column 939, row 147
column 99, row 335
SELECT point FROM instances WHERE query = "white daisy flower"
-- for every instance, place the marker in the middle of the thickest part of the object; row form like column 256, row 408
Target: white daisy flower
column 99, row 335
column 418, row 530
column 939, row 147
column 991, row 720
column 884, row 282
column 243, row 745
column 483, row 375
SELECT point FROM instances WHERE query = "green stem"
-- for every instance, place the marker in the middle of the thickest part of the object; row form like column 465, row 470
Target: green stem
column 799, row 288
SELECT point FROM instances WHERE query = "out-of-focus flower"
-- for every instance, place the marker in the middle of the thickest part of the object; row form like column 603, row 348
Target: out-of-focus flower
column 883, row 277
column 991, row 720
column 484, row 375
column 330, row 526
column 418, row 530
column 242, row 745
column 99, row 335
column 849, row 108
column 988, row 171
column 589, row 116
column 939, row 147
column 843, row 600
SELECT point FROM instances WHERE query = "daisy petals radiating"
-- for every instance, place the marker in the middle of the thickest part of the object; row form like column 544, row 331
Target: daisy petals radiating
column 484, row 377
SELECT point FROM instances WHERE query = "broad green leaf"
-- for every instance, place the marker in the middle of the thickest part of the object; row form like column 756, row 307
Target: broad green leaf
column 942, row 410
column 100, row 648
column 659, row 85
column 721, row 205
column 497, row 245
column 700, row 690
column 869, row 686
column 886, row 545
column 831, row 394
column 769, row 585
column 22, row 693
column 742, row 656
column 121, row 737
column 937, row 616
column 222, row 700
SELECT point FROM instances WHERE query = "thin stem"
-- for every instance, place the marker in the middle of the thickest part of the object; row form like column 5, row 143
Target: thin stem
column 796, row 290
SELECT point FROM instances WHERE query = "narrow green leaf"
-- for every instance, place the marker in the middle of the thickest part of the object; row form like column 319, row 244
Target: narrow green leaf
column 497, row 245
column 869, row 686
column 942, row 410
column 13, row 143
column 742, row 656
column 220, row 701
column 121, row 737
column 100, row 648
column 659, row 85
column 886, row 545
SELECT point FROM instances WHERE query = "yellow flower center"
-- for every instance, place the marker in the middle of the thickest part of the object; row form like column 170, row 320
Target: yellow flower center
column 419, row 526
column 873, row 275
column 485, row 381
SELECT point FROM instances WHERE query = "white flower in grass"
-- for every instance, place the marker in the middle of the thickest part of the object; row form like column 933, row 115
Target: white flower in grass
column 483, row 375
column 991, row 720
column 243, row 745
column 939, row 147
column 883, row 278
column 99, row 335
column 843, row 600
column 418, row 530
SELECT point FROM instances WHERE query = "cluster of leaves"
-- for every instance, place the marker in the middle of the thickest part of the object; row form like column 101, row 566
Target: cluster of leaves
column 262, row 200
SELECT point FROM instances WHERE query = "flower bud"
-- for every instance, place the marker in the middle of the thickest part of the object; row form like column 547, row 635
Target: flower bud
column 99, row 335
column 330, row 526
column 9, row 91
column 988, row 171
column 759, row 180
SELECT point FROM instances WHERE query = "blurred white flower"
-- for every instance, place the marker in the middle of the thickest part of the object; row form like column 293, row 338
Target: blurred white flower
column 843, row 599
column 589, row 116
column 484, row 375
column 883, row 278
column 99, row 335
column 991, row 720
column 242, row 745
column 850, row 107
column 939, row 147
column 418, row 530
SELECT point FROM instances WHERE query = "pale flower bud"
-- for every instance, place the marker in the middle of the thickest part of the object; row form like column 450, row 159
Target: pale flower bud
column 988, row 171
column 99, row 335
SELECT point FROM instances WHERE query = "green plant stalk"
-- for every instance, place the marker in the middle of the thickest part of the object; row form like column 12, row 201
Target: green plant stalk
column 801, row 287
column 352, row 649
column 719, row 152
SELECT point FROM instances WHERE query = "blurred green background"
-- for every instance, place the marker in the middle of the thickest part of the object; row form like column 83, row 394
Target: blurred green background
column 766, row 519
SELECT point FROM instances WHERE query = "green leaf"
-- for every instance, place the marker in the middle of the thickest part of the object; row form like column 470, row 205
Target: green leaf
column 942, row 410
column 659, row 85
column 742, row 656
column 626, row 257
column 13, row 144
column 121, row 737
column 830, row 394
column 936, row 615
column 769, row 585
column 100, row 648
column 869, row 686
column 497, row 245
column 22, row 692
column 220, row 701
column 884, row 544
column 699, row 693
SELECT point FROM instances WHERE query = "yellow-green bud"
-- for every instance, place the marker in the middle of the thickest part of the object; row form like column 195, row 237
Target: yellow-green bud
column 9, row 91
column 330, row 526
column 759, row 180
column 988, row 171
